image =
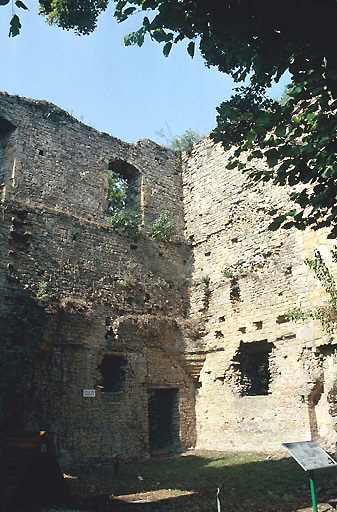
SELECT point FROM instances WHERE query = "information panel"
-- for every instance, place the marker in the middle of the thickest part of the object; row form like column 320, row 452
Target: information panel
column 89, row 393
column 310, row 455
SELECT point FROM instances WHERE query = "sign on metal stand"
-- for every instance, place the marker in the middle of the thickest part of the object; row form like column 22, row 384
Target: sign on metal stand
column 309, row 455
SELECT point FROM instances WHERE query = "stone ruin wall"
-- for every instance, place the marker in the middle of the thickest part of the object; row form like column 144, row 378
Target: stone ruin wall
column 109, row 293
column 179, row 323
column 226, row 222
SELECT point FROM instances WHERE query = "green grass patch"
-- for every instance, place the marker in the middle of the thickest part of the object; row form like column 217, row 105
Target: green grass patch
column 251, row 479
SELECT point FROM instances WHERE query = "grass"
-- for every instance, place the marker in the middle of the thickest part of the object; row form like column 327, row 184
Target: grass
column 247, row 482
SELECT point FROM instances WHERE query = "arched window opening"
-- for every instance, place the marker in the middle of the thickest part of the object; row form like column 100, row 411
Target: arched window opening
column 124, row 196
column 124, row 185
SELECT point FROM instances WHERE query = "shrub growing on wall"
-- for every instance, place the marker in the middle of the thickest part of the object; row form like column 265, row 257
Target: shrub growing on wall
column 327, row 313
column 163, row 228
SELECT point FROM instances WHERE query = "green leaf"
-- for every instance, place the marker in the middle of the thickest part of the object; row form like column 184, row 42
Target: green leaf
column 231, row 165
column 21, row 5
column 167, row 49
column 160, row 35
column 277, row 223
column 146, row 23
column 129, row 11
column 272, row 157
column 190, row 49
column 251, row 136
column 281, row 130
column 4, row 2
column 14, row 26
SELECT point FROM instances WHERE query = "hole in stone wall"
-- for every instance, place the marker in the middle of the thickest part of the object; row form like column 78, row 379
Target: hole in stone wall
column 208, row 253
column 218, row 334
column 242, row 329
column 222, row 319
column 234, row 293
column 164, row 421
column 6, row 127
column 41, row 152
column 281, row 319
column 133, row 247
column 109, row 336
column 258, row 324
column 112, row 373
column 253, row 368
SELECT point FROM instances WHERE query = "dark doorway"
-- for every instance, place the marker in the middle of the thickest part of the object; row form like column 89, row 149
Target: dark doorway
column 164, row 419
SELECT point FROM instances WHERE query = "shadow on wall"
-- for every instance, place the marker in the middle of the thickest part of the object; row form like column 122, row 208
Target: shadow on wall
column 22, row 337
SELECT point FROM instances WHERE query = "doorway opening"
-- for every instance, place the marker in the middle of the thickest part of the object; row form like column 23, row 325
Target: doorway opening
column 164, row 424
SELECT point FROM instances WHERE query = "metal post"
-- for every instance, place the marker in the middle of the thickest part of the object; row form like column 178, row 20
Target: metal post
column 218, row 499
column 312, row 488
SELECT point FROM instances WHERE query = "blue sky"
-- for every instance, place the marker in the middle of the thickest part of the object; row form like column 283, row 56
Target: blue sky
column 131, row 93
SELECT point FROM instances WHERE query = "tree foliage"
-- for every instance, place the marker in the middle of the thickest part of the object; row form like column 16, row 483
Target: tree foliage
column 117, row 190
column 296, row 141
column 182, row 142
column 185, row 141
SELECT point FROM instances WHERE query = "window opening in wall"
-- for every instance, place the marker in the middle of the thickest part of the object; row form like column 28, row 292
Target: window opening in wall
column 253, row 359
column 5, row 127
column 117, row 191
column 234, row 293
column 112, row 373
column 124, row 194
column 164, row 422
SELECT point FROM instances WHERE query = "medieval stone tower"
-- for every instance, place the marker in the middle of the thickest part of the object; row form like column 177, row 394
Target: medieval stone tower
column 132, row 344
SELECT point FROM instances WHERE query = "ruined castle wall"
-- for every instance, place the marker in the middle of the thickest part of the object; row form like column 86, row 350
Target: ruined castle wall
column 81, row 295
column 243, row 310
column 62, row 164
column 97, row 293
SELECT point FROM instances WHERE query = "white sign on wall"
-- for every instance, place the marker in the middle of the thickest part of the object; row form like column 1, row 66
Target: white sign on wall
column 89, row 393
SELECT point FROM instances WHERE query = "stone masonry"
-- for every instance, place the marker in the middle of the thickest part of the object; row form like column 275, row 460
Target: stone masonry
column 180, row 323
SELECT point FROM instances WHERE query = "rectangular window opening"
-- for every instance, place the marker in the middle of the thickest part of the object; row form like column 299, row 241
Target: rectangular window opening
column 254, row 368
column 112, row 373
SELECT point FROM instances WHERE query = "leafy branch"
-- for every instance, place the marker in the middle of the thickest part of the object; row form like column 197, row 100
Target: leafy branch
column 163, row 228
column 326, row 314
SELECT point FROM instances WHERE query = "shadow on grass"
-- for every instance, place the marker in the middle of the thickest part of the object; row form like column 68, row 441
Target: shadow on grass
column 247, row 483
